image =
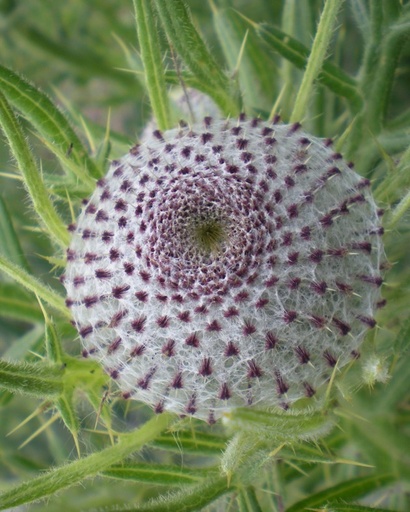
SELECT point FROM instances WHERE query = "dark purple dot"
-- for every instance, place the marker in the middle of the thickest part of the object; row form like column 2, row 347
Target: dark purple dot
column 293, row 258
column 300, row 168
column 184, row 316
column 205, row 368
column 270, row 341
column 118, row 292
column 330, row 358
column 78, row 281
column 114, row 254
column 177, row 382
column 142, row 296
column 309, row 390
column 117, row 317
column 375, row 280
column 139, row 324
column 137, row 351
column 294, row 283
column 316, row 256
column 90, row 301
column 289, row 316
column 261, row 303
column 206, row 137
column 248, row 329
column 363, row 246
column 343, row 327
column 319, row 288
column 168, row 349
column 163, row 321
column 224, row 392
column 114, row 345
column 318, row 321
column 70, row 255
column 190, row 407
column 292, row 211
column 122, row 222
column 192, row 340
column 213, row 326
column 101, row 216
column 107, row 236
column 281, row 385
column 231, row 350
column 129, row 268
column 367, row 320
column 302, row 354
column 85, row 331
column 254, row 371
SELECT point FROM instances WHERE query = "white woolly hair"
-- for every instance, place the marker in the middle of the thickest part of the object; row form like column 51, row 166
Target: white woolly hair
column 231, row 263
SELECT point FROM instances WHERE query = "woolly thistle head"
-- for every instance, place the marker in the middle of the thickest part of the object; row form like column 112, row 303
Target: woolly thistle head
column 231, row 263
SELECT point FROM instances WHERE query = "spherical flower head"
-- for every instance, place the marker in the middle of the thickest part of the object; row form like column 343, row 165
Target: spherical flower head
column 231, row 263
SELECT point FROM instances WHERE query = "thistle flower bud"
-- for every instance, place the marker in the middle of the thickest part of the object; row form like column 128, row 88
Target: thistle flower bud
column 230, row 263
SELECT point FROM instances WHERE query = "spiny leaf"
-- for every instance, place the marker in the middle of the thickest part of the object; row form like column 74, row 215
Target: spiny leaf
column 34, row 285
column 31, row 379
column 152, row 61
column 74, row 472
column 280, row 426
column 50, row 122
column 256, row 71
column 159, row 474
column 331, row 75
column 348, row 490
column 316, row 57
column 189, row 45
column 190, row 499
column 198, row 444
column 16, row 303
column 336, row 506
column 87, row 63
column 9, row 242
column 31, row 174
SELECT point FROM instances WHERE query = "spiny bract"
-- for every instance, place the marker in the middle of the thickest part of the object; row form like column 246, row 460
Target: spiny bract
column 226, row 264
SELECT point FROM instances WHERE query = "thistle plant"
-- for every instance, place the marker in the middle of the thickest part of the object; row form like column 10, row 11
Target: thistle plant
column 204, row 301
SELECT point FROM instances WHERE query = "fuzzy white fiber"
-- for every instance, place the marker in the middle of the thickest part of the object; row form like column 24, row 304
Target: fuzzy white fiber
column 286, row 287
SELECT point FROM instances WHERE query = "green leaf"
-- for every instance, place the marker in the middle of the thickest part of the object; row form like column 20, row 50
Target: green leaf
column 189, row 499
column 15, row 303
column 348, row 490
column 243, row 52
column 31, row 175
column 398, row 386
column 248, row 502
column 152, row 61
column 65, row 406
column 331, row 75
column 31, row 379
column 361, row 15
column 21, row 347
column 199, row 443
column 34, row 285
column 335, row 506
column 189, row 45
column 74, row 472
column 53, row 343
column 9, row 242
column 159, row 474
column 48, row 120
column 83, row 60
column 316, row 58
column 280, row 427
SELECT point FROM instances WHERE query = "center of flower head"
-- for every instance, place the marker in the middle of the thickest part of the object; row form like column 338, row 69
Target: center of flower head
column 209, row 235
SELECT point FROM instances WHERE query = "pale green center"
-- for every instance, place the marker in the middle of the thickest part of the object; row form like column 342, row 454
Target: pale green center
column 209, row 235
